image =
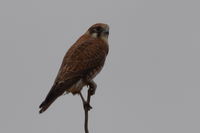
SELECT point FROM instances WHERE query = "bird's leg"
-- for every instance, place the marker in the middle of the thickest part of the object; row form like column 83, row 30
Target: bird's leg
column 86, row 104
column 91, row 91
column 92, row 87
column 82, row 98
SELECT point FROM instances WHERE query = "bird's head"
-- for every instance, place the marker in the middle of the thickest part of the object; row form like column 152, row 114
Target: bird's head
column 99, row 30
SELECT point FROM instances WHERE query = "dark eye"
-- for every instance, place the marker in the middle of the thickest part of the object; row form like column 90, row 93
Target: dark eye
column 97, row 29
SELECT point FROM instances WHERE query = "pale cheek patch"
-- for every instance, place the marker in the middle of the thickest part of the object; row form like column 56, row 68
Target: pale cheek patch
column 94, row 35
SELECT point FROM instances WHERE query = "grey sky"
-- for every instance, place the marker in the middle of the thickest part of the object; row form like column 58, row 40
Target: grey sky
column 150, row 83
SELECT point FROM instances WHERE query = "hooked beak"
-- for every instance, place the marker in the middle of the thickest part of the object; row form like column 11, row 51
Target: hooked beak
column 106, row 32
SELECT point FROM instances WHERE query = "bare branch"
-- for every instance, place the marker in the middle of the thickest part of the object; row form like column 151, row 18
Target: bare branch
column 87, row 107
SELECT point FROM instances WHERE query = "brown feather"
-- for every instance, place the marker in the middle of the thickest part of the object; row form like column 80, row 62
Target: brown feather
column 83, row 61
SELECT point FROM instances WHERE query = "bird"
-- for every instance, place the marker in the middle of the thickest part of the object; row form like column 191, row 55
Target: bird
column 80, row 65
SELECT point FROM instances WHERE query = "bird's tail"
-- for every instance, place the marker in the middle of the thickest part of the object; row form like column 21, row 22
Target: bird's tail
column 45, row 105
column 51, row 97
column 56, row 91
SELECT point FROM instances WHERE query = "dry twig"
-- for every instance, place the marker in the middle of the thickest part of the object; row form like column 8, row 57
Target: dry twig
column 87, row 107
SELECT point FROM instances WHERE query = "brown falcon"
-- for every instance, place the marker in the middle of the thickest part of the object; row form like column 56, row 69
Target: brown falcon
column 83, row 61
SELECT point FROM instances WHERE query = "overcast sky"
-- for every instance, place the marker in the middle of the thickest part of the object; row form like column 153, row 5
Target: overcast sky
column 150, row 82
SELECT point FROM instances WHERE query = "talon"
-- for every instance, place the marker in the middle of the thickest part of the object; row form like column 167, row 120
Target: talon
column 92, row 91
column 92, row 87
column 87, row 106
